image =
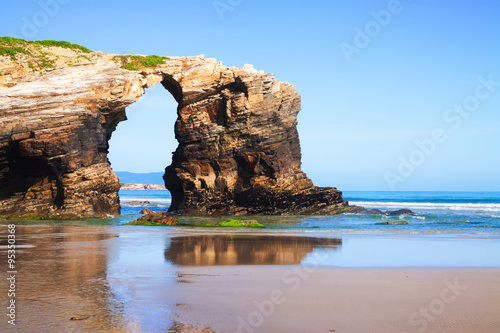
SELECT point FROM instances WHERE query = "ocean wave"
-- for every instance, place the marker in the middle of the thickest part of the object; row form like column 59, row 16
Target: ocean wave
column 153, row 202
column 478, row 207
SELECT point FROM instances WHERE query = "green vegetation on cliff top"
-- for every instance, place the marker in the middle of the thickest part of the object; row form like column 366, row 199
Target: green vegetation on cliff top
column 12, row 46
column 136, row 62
column 38, row 58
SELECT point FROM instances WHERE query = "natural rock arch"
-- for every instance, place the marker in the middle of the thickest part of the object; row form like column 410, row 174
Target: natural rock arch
column 238, row 152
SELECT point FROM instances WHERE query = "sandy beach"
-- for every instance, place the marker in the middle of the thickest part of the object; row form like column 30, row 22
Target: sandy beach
column 149, row 279
column 308, row 299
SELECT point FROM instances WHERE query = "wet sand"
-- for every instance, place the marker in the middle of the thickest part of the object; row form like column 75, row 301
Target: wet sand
column 162, row 280
column 301, row 299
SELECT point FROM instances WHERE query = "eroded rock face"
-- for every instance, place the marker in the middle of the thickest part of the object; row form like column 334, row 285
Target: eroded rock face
column 238, row 152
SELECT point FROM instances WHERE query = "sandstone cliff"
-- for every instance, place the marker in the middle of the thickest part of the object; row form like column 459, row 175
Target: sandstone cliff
column 238, row 152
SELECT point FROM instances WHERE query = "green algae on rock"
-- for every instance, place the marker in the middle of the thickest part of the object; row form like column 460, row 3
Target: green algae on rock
column 392, row 223
column 235, row 224
column 161, row 218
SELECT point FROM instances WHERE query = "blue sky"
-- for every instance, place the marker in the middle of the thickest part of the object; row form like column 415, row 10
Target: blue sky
column 396, row 95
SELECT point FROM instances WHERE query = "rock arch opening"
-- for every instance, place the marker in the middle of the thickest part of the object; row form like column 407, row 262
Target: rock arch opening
column 144, row 142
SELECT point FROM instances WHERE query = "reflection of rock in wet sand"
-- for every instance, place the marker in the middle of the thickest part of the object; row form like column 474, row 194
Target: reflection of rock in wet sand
column 62, row 274
column 205, row 250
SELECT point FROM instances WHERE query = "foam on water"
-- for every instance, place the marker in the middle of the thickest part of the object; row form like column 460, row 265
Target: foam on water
column 476, row 207
column 461, row 214
column 159, row 199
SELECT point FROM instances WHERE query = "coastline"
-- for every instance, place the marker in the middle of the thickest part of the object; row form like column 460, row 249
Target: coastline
column 285, row 285
column 141, row 187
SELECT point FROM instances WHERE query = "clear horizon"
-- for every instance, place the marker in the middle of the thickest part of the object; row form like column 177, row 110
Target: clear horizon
column 396, row 95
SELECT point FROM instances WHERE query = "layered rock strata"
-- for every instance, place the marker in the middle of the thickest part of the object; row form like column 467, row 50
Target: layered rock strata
column 238, row 152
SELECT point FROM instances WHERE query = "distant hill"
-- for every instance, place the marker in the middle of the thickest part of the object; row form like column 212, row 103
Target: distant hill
column 142, row 187
column 141, row 178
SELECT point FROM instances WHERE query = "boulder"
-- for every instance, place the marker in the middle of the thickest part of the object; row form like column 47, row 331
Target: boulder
column 156, row 218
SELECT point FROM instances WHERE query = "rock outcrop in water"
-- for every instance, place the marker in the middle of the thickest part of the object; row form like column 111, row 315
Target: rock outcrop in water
column 238, row 152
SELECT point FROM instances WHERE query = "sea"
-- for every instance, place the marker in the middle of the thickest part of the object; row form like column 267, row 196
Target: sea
column 130, row 278
column 452, row 214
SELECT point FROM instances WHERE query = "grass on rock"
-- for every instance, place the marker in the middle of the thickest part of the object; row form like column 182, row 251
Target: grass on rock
column 38, row 59
column 33, row 50
column 136, row 62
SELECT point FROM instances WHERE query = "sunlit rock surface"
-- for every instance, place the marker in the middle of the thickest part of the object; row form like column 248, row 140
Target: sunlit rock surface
column 238, row 153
